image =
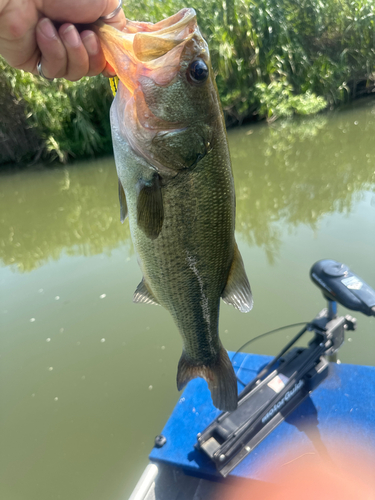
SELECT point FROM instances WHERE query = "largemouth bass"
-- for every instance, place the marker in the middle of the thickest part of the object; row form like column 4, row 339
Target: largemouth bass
column 176, row 186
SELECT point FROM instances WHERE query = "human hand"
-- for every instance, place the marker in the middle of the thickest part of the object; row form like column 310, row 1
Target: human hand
column 28, row 35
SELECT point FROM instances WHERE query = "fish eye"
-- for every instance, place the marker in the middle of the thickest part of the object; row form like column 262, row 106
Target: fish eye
column 198, row 71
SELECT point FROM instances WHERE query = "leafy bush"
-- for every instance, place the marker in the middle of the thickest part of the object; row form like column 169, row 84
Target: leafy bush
column 277, row 99
column 308, row 46
column 273, row 58
column 70, row 118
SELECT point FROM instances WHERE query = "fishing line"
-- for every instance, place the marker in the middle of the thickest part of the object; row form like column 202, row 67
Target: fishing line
column 305, row 324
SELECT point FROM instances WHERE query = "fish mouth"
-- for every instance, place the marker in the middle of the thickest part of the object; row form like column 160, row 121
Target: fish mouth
column 145, row 54
column 147, row 49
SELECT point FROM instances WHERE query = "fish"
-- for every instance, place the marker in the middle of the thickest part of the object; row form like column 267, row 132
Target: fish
column 176, row 186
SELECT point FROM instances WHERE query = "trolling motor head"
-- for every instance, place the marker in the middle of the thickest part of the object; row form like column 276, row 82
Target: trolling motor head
column 339, row 284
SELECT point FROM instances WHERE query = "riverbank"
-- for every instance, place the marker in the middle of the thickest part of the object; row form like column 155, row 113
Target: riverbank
column 272, row 59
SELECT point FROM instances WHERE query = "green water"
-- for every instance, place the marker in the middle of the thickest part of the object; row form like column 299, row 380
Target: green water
column 87, row 377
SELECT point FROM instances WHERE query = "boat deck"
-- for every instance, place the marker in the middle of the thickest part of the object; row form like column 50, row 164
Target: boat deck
column 340, row 410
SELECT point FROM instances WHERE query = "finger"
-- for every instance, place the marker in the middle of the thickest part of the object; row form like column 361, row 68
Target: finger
column 82, row 11
column 78, row 59
column 119, row 20
column 54, row 56
column 96, row 57
column 17, row 34
column 108, row 71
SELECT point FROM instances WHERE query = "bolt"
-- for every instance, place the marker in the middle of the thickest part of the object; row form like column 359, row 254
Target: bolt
column 160, row 441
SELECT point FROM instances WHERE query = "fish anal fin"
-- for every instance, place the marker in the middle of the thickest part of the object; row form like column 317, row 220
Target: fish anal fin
column 122, row 199
column 150, row 210
column 237, row 291
column 143, row 295
column 219, row 376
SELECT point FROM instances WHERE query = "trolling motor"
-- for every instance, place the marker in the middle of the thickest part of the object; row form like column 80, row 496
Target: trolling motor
column 292, row 375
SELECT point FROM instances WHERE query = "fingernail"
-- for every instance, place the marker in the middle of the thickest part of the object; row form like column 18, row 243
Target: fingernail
column 91, row 44
column 71, row 36
column 47, row 28
column 111, row 71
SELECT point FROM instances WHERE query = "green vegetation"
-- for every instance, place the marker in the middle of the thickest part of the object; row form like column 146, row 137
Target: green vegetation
column 273, row 58
column 54, row 120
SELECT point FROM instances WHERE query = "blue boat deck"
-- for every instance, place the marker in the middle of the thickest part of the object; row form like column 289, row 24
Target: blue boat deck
column 341, row 408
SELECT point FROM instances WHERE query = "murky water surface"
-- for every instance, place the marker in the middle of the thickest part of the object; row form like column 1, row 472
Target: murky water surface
column 87, row 377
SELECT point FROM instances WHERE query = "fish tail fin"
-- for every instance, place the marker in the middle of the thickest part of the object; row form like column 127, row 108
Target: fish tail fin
column 219, row 376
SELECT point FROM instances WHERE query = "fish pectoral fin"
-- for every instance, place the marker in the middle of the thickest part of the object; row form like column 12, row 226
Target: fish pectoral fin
column 150, row 210
column 219, row 376
column 123, row 205
column 143, row 295
column 237, row 291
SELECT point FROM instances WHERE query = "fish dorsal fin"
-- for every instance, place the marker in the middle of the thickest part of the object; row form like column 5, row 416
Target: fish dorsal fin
column 150, row 211
column 123, row 205
column 237, row 291
column 143, row 295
